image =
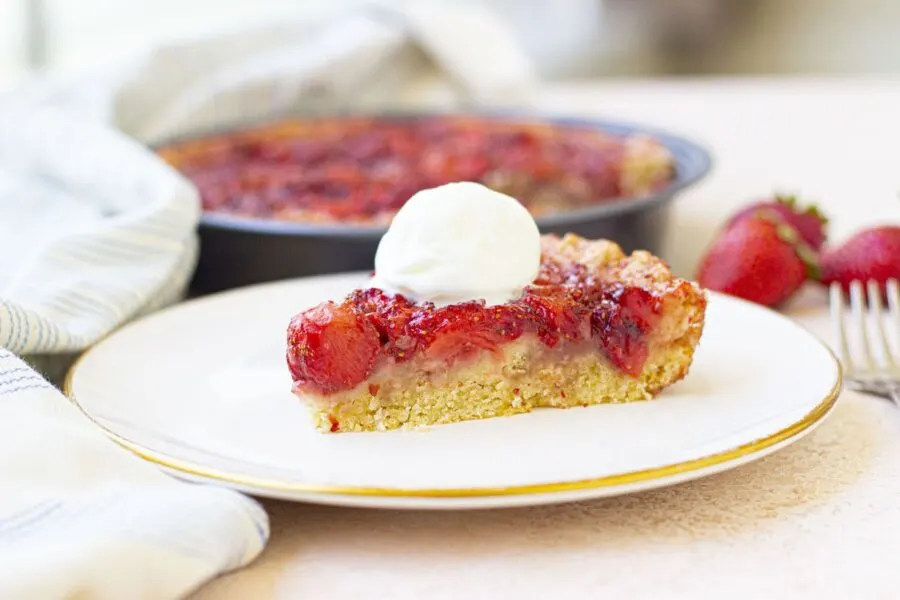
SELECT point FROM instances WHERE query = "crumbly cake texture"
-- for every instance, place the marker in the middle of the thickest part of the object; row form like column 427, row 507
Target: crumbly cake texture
column 491, row 387
column 525, row 374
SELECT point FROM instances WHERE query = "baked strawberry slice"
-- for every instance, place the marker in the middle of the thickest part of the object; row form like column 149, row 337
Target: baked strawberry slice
column 621, row 325
column 507, row 321
column 592, row 317
column 390, row 316
column 453, row 332
column 555, row 316
column 331, row 348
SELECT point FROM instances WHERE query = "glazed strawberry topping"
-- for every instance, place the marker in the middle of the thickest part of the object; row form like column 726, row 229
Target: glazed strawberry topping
column 331, row 347
column 621, row 323
column 358, row 170
column 334, row 347
column 554, row 314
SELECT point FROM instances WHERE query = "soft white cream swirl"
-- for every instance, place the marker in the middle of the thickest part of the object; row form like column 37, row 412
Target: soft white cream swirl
column 457, row 242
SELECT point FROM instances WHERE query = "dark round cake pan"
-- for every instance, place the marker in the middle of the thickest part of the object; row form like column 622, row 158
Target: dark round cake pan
column 238, row 251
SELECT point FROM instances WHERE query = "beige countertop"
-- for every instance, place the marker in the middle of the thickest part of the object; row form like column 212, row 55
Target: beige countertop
column 818, row 519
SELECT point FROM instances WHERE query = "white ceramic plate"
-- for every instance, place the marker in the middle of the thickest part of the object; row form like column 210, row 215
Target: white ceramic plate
column 203, row 390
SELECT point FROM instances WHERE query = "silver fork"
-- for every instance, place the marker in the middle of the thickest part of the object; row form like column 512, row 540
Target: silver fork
column 873, row 367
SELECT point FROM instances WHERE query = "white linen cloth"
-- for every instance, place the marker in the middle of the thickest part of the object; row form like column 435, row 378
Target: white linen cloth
column 81, row 517
column 95, row 231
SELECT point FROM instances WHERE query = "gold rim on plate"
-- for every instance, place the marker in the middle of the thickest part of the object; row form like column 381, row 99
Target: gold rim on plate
column 262, row 485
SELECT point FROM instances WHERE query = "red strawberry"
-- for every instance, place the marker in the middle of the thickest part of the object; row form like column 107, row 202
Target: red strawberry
column 331, row 347
column 761, row 259
column 870, row 254
column 621, row 324
column 809, row 222
column 454, row 331
column 556, row 318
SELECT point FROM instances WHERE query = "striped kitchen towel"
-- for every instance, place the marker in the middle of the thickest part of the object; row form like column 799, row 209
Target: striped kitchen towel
column 80, row 517
column 93, row 232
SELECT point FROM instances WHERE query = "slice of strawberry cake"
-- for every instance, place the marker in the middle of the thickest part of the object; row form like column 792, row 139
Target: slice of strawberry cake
column 431, row 343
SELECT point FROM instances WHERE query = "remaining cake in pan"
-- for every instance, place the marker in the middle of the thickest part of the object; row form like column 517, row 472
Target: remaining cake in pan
column 361, row 170
column 590, row 326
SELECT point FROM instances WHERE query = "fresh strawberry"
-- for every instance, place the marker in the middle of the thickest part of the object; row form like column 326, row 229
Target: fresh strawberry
column 762, row 259
column 809, row 222
column 331, row 348
column 871, row 254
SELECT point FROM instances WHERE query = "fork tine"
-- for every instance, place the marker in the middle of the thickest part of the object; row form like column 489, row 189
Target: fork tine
column 837, row 321
column 858, row 314
column 875, row 305
column 893, row 298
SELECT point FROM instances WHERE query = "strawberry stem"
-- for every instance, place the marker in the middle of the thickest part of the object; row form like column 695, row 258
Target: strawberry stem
column 792, row 202
column 789, row 235
column 788, row 200
column 810, row 260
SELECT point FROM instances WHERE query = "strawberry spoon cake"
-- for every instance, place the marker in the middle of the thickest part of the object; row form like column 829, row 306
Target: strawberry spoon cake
column 473, row 314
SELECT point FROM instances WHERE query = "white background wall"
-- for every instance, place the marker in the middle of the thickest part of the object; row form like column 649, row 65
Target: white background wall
column 567, row 38
column 11, row 42
column 840, row 36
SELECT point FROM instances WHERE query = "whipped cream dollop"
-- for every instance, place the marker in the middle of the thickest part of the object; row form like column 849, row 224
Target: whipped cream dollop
column 458, row 242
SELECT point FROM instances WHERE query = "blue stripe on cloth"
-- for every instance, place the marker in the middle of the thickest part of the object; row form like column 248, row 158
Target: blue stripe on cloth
column 18, row 379
column 14, row 370
column 139, row 242
column 32, row 515
column 102, row 256
column 12, row 338
column 19, row 325
column 259, row 520
column 16, row 376
column 24, row 329
column 62, row 304
column 112, row 249
column 117, row 307
column 57, row 334
column 194, row 522
column 101, row 252
column 101, row 308
column 136, row 259
column 81, row 304
column 49, row 334
column 168, row 229
column 14, row 329
column 41, row 330
column 20, row 513
column 5, row 327
column 32, row 386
